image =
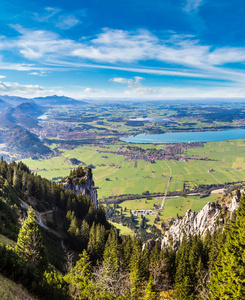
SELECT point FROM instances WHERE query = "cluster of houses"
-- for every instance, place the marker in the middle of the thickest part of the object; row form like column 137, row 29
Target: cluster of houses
column 142, row 212
column 173, row 152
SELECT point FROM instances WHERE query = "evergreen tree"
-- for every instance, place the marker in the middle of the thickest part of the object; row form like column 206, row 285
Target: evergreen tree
column 92, row 240
column 84, row 233
column 126, row 247
column 80, row 278
column 137, row 270
column 228, row 277
column 96, row 242
column 150, row 293
column 30, row 243
column 183, row 279
column 111, row 253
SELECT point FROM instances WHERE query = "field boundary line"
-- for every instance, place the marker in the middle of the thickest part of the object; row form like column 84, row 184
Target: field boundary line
column 166, row 191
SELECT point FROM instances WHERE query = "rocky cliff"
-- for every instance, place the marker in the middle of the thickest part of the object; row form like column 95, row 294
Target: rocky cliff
column 83, row 184
column 209, row 218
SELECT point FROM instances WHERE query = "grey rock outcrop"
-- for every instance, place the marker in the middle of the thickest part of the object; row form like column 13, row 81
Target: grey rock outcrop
column 235, row 201
column 193, row 223
column 151, row 244
column 85, row 187
column 197, row 223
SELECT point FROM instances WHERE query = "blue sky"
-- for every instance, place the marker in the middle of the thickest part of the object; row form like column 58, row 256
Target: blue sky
column 123, row 49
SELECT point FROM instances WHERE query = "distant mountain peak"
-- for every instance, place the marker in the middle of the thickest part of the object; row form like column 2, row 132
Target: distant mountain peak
column 57, row 100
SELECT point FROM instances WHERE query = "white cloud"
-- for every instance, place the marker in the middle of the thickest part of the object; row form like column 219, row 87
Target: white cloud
column 90, row 90
column 27, row 90
column 48, row 13
column 66, row 22
column 141, row 91
column 135, row 82
column 118, row 46
column 161, row 93
column 137, row 91
column 134, row 86
column 183, row 55
column 2, row 76
column 36, row 44
column 58, row 18
column 41, row 74
column 10, row 87
column 193, row 5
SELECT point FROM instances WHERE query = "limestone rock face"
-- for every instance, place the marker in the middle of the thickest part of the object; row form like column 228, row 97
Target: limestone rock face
column 151, row 243
column 235, row 202
column 192, row 223
column 197, row 223
column 85, row 187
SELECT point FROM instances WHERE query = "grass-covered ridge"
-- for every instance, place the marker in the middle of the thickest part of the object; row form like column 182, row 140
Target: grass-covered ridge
column 11, row 290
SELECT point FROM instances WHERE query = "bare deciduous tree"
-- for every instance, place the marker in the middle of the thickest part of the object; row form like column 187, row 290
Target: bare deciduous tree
column 114, row 281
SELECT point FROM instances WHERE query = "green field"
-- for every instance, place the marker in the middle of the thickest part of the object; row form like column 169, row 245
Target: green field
column 116, row 175
column 123, row 230
column 128, row 177
column 173, row 207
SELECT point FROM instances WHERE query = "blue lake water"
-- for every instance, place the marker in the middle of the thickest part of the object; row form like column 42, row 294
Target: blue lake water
column 185, row 137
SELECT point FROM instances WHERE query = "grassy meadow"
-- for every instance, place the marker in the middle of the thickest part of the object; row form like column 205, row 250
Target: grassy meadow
column 10, row 290
column 115, row 174
column 173, row 207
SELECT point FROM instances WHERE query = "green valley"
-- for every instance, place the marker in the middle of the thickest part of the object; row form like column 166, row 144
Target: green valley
column 217, row 164
column 88, row 134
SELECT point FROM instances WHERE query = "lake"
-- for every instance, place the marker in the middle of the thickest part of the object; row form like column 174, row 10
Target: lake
column 185, row 137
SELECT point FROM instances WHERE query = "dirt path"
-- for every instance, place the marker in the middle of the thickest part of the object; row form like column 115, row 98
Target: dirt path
column 37, row 214
column 166, row 191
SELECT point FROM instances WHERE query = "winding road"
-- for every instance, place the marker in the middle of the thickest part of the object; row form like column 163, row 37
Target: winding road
column 37, row 214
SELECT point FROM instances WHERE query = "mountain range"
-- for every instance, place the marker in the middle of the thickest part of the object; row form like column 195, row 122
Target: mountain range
column 12, row 101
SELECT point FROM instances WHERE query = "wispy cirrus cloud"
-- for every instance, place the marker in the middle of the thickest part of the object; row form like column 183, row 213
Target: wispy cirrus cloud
column 179, row 55
column 118, row 46
column 193, row 5
column 41, row 74
column 60, row 19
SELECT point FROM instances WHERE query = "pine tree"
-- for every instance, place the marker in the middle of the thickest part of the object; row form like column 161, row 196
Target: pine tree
column 96, row 242
column 228, row 277
column 24, row 181
column 111, row 253
column 92, row 240
column 150, row 293
column 137, row 270
column 84, row 233
column 80, row 277
column 183, row 279
column 30, row 243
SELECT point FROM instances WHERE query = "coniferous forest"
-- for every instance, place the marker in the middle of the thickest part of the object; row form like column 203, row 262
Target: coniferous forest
column 81, row 256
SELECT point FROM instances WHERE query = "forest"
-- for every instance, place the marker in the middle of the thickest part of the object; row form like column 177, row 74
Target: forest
column 96, row 262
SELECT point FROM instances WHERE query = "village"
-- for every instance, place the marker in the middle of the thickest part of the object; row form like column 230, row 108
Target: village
column 173, row 152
